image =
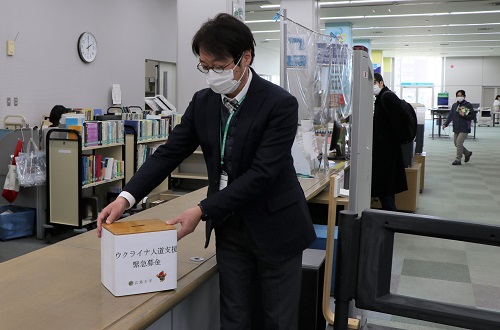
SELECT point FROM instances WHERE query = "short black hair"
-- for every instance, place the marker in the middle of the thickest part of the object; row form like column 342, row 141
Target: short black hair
column 224, row 36
column 461, row 91
column 498, row 97
column 56, row 114
column 378, row 77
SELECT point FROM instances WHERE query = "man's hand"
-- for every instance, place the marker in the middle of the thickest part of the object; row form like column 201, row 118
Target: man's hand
column 111, row 213
column 444, row 126
column 188, row 219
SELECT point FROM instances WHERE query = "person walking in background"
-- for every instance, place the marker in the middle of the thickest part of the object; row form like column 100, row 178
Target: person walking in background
column 496, row 104
column 462, row 113
column 496, row 108
column 388, row 169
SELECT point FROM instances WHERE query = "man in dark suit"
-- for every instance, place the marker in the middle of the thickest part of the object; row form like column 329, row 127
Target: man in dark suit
column 388, row 169
column 245, row 126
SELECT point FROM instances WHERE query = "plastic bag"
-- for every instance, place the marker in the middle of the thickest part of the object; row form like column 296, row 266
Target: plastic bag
column 11, row 185
column 31, row 167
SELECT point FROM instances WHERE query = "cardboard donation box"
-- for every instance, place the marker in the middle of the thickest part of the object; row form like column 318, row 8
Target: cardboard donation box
column 138, row 257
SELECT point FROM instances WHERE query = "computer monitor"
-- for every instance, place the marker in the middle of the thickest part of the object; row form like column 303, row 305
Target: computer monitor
column 334, row 143
column 443, row 100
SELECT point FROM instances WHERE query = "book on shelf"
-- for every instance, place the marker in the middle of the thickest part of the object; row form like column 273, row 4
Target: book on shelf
column 96, row 168
column 154, row 127
column 177, row 119
column 73, row 119
column 132, row 116
column 91, row 133
column 144, row 151
column 108, row 168
column 112, row 132
column 135, row 126
column 71, row 135
column 97, row 112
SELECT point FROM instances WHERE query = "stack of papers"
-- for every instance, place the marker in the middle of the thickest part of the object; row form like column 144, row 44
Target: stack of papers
column 344, row 192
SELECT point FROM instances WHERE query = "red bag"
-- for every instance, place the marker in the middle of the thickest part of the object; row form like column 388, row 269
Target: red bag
column 11, row 185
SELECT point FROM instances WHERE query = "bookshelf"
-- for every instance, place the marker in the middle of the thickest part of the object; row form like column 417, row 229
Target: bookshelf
column 142, row 137
column 80, row 178
column 192, row 168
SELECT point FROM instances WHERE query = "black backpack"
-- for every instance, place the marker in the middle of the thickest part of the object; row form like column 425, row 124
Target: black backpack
column 407, row 122
column 409, row 132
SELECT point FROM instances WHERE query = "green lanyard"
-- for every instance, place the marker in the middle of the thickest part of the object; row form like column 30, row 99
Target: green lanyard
column 226, row 129
column 223, row 144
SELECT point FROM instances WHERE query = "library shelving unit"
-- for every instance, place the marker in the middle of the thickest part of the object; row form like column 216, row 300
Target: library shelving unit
column 192, row 172
column 193, row 168
column 73, row 197
column 137, row 150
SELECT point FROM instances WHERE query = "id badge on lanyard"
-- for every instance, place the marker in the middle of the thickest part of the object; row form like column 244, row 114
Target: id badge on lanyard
column 224, row 177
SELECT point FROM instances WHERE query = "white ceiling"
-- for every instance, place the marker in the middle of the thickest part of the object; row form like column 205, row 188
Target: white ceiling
column 421, row 28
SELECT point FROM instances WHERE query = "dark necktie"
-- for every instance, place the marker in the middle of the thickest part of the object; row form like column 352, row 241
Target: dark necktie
column 230, row 104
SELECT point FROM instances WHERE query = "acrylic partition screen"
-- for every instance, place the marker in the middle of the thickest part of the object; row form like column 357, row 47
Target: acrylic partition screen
column 319, row 74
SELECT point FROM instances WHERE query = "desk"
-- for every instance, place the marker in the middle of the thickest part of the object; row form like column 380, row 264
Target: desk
column 442, row 114
column 494, row 117
column 439, row 114
column 420, row 158
column 314, row 186
column 408, row 199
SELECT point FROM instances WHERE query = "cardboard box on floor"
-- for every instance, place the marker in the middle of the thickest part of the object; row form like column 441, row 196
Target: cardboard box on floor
column 138, row 257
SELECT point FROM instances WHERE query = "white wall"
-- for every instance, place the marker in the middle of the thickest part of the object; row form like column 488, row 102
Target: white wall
column 192, row 14
column 471, row 74
column 266, row 61
column 46, row 69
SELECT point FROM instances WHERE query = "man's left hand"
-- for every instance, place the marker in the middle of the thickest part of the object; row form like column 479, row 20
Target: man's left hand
column 188, row 219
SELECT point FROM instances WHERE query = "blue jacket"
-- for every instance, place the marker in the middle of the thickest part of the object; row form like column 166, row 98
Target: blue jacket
column 461, row 124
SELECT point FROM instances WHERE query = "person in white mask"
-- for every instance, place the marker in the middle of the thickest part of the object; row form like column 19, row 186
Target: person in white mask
column 388, row 169
column 245, row 126
column 462, row 114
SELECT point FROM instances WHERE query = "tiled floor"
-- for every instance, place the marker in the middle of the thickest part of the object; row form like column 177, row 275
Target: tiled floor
column 430, row 268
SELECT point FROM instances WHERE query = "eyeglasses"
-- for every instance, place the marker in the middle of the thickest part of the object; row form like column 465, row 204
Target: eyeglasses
column 218, row 69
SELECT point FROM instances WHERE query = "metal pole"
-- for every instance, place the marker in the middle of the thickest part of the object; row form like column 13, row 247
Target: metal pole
column 283, row 48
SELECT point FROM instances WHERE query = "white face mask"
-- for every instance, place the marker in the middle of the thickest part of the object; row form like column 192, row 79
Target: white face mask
column 223, row 83
column 376, row 89
column 460, row 98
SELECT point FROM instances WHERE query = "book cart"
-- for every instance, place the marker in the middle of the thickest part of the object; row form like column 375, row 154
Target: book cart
column 80, row 179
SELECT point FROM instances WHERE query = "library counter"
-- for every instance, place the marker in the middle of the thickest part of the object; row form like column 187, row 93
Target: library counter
column 59, row 286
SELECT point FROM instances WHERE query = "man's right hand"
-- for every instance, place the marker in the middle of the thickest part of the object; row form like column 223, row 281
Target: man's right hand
column 444, row 126
column 111, row 213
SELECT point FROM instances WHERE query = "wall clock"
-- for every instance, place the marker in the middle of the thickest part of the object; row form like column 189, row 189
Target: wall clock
column 87, row 47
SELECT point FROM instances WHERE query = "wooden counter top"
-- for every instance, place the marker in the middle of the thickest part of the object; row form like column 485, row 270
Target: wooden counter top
column 314, row 186
column 59, row 286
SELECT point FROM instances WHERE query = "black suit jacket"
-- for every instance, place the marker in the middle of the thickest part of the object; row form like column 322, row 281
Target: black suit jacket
column 265, row 192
